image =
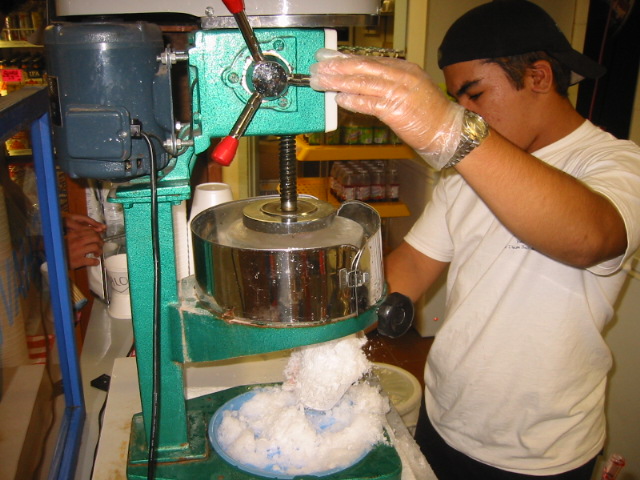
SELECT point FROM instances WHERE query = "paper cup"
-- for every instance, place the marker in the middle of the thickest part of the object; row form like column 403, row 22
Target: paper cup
column 205, row 195
column 208, row 195
column 118, row 286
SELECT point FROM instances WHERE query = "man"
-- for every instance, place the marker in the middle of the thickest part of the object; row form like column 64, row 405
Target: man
column 534, row 215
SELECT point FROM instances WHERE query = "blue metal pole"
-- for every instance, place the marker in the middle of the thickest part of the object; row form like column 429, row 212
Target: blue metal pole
column 26, row 107
column 66, row 453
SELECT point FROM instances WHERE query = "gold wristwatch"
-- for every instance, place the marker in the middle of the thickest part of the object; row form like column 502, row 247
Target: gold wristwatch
column 474, row 130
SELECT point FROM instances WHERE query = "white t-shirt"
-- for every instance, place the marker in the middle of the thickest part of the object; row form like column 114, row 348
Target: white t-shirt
column 516, row 375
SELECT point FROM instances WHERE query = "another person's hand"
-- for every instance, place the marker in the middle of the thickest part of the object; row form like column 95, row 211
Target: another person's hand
column 400, row 94
column 83, row 238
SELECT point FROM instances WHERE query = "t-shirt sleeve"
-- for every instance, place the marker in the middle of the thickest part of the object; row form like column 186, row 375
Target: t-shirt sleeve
column 430, row 234
column 617, row 177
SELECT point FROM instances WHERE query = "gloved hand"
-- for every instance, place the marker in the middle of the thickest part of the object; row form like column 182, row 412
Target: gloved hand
column 400, row 94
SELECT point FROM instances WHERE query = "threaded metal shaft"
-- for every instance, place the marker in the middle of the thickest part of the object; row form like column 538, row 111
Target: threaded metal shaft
column 288, row 177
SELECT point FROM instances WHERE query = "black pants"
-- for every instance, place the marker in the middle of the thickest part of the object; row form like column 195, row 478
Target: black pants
column 449, row 464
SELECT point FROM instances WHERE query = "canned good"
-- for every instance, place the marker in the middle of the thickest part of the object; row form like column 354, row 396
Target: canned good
column 380, row 134
column 350, row 134
column 366, row 136
column 316, row 138
column 332, row 138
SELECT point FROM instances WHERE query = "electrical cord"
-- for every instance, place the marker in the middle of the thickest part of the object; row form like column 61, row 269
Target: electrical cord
column 100, row 423
column 155, row 238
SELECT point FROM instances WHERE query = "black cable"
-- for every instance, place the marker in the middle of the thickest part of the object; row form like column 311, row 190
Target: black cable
column 155, row 239
column 100, row 424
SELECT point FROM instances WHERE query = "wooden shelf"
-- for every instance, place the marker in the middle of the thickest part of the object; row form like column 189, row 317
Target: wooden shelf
column 307, row 153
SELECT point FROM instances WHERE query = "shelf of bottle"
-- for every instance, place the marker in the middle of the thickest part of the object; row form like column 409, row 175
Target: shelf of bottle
column 318, row 187
column 18, row 44
column 384, row 209
column 306, row 152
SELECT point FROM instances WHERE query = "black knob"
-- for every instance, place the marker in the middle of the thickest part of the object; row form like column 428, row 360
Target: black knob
column 395, row 315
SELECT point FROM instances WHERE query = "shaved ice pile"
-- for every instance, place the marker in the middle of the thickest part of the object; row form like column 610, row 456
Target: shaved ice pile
column 341, row 423
column 319, row 375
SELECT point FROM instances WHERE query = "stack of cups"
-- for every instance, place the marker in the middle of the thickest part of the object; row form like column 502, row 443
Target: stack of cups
column 118, row 286
column 205, row 195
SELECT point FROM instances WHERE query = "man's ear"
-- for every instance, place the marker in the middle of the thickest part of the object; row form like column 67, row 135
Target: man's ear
column 539, row 77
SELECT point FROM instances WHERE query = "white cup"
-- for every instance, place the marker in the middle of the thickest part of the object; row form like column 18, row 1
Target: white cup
column 118, row 286
column 208, row 195
column 205, row 195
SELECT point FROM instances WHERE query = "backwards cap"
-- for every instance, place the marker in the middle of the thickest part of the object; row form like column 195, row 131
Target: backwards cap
column 503, row 28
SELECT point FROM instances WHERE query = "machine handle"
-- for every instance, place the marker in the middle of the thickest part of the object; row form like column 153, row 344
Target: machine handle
column 234, row 6
column 395, row 315
column 224, row 152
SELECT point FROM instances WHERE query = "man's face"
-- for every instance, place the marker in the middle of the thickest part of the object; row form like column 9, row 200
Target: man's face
column 486, row 89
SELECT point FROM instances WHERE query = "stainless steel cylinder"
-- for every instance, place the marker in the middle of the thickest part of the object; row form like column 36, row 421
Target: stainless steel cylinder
column 262, row 277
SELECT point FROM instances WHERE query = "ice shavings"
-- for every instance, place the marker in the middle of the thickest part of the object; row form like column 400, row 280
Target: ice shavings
column 320, row 374
column 274, row 431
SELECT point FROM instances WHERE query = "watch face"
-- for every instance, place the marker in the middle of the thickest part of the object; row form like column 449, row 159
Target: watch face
column 474, row 130
column 476, row 127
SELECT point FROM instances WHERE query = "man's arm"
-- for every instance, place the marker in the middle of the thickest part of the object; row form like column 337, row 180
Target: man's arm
column 410, row 272
column 544, row 207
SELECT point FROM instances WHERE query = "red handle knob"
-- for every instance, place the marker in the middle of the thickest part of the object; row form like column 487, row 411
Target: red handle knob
column 234, row 6
column 224, row 152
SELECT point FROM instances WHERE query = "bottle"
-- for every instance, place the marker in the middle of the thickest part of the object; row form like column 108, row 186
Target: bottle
column 347, row 185
column 334, row 175
column 612, row 467
column 378, row 188
column 392, row 184
column 363, row 185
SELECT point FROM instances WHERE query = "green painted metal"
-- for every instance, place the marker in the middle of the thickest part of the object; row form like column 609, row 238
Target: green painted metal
column 218, row 61
column 382, row 463
column 136, row 200
column 205, row 337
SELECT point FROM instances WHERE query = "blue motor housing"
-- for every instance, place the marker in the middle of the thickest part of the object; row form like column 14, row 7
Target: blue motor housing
column 103, row 78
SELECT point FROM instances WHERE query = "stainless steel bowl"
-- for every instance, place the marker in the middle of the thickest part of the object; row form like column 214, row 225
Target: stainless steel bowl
column 254, row 265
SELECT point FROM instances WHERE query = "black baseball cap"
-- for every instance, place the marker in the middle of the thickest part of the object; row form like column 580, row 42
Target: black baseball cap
column 502, row 28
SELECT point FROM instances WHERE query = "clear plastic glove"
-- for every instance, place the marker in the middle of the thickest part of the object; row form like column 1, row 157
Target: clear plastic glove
column 400, row 94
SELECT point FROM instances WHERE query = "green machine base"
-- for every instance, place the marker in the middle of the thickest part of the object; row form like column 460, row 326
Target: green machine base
column 382, row 463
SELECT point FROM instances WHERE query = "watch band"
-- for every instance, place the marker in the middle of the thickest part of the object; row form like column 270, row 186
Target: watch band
column 474, row 130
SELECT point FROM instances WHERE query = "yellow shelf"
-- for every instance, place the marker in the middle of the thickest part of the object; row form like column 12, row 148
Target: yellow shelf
column 18, row 44
column 306, row 152
column 384, row 209
column 317, row 186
